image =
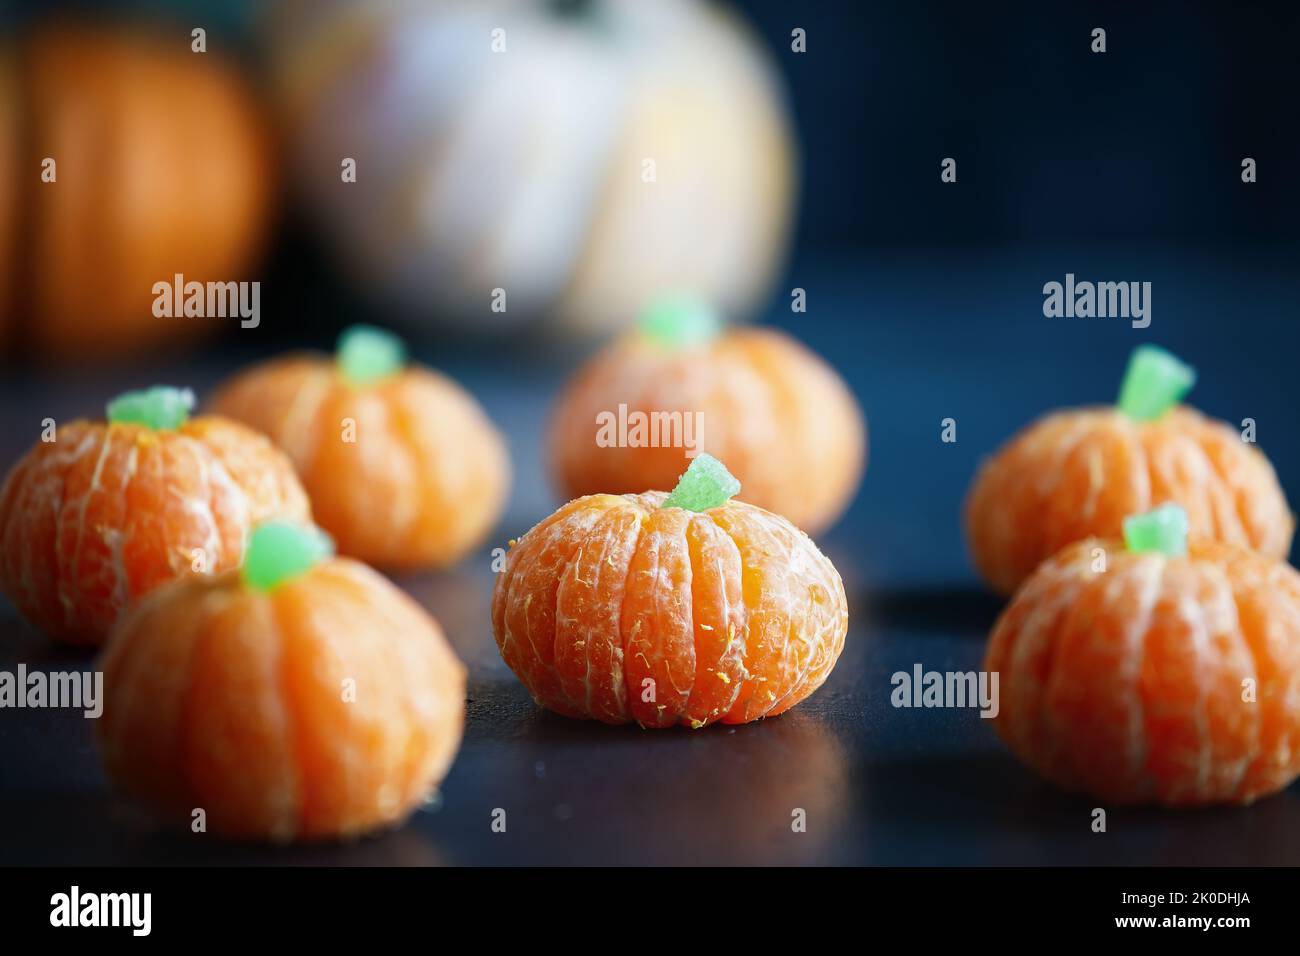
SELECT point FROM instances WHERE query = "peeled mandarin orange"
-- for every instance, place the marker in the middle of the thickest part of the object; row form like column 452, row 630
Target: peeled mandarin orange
column 108, row 511
column 624, row 608
column 1167, row 679
column 306, row 701
column 781, row 419
column 1076, row 474
column 403, row 466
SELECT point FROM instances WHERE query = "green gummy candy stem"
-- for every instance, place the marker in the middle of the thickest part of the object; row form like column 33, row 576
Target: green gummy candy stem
column 705, row 484
column 1163, row 530
column 679, row 322
column 159, row 407
column 366, row 354
column 278, row 551
column 1155, row 382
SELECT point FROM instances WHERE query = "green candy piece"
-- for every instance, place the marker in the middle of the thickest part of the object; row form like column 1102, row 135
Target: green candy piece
column 679, row 322
column 1154, row 383
column 161, row 407
column 279, row 551
column 366, row 354
column 1163, row 530
column 705, row 484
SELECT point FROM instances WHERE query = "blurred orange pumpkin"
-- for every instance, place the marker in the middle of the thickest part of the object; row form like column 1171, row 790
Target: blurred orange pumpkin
column 326, row 705
column 782, row 420
column 1161, row 679
column 162, row 166
column 1078, row 473
column 405, row 471
column 9, row 119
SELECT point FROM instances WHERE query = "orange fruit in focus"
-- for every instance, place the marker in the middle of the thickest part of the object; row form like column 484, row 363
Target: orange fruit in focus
column 616, row 609
column 1129, row 684
column 405, row 472
column 1077, row 474
column 328, row 706
column 107, row 512
column 782, row 420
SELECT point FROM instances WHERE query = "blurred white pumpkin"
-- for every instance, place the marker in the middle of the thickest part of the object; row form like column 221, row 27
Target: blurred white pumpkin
column 583, row 156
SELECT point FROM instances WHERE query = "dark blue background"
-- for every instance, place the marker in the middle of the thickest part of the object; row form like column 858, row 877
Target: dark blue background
column 1052, row 141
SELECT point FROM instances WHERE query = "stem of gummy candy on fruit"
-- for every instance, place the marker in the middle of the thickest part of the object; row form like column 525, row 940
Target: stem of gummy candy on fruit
column 705, row 484
column 366, row 354
column 679, row 322
column 1155, row 382
column 1163, row 530
column 279, row 551
column 160, row 407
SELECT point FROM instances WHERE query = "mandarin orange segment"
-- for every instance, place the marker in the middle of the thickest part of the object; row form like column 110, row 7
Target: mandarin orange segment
column 328, row 705
column 237, row 736
column 588, row 637
column 621, row 610
column 1151, row 678
column 147, row 681
column 404, row 468
column 717, row 595
column 795, row 607
column 527, row 593
column 658, row 632
column 104, row 514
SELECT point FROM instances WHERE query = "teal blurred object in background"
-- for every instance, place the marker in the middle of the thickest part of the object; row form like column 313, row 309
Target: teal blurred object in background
column 232, row 19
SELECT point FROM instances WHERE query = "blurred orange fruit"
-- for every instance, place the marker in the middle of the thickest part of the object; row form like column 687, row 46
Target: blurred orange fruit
column 163, row 166
column 1170, row 680
column 9, row 241
column 1076, row 474
column 105, row 513
column 404, row 472
column 617, row 609
column 327, row 706
column 782, row 420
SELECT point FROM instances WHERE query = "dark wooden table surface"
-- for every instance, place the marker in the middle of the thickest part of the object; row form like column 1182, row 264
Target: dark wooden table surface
column 920, row 337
